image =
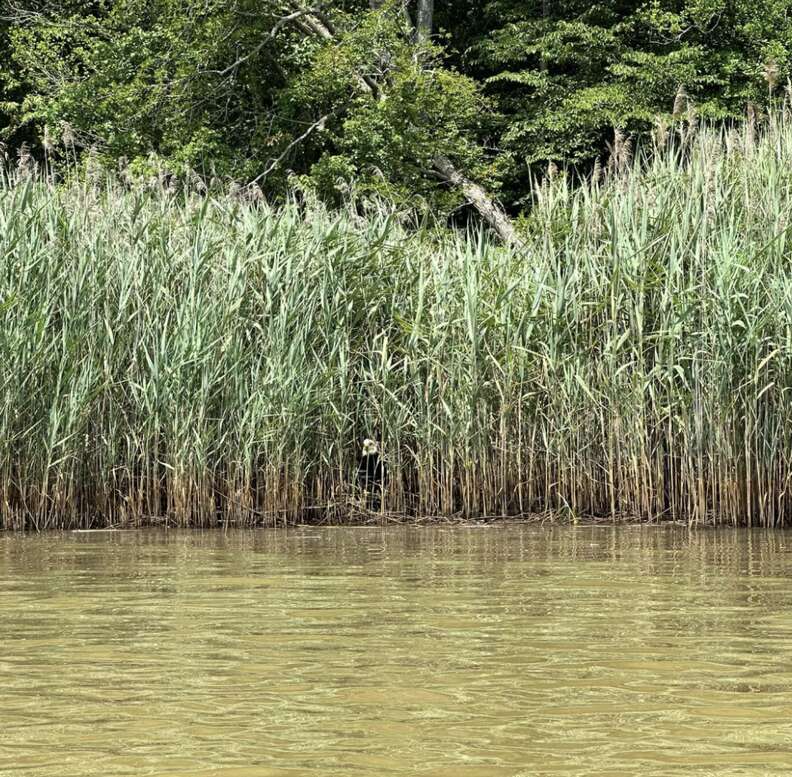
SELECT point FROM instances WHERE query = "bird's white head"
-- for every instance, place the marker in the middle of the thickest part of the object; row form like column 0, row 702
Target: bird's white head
column 370, row 447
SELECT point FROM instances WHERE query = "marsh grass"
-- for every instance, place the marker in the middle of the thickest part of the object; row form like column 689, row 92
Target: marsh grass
column 193, row 360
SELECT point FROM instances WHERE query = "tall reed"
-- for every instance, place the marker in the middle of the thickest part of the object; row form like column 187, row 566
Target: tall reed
column 168, row 357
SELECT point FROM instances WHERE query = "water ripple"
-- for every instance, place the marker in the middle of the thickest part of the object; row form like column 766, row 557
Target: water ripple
column 515, row 651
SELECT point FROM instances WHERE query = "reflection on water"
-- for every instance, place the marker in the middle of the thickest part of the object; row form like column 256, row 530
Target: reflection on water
column 514, row 650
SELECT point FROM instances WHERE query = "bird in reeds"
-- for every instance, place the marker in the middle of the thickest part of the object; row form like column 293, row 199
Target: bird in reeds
column 372, row 474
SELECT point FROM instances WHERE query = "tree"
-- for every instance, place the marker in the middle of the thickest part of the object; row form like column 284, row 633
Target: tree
column 428, row 106
column 260, row 91
column 564, row 74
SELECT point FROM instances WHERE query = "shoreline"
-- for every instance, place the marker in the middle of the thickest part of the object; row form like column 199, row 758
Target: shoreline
column 393, row 521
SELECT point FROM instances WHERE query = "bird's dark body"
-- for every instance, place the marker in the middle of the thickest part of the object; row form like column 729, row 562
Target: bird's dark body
column 372, row 477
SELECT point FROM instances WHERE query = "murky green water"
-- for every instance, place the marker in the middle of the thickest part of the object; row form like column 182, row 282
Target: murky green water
column 459, row 652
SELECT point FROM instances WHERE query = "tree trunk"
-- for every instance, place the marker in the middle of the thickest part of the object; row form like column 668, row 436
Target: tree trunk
column 487, row 208
column 423, row 21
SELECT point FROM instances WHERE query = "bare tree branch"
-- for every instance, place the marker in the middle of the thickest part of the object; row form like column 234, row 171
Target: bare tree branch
column 477, row 196
column 280, row 24
column 317, row 125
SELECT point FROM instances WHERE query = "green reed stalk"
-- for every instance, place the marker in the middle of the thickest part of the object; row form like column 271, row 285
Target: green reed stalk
column 173, row 358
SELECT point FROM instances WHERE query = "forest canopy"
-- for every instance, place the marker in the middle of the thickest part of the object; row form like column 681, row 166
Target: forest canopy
column 409, row 101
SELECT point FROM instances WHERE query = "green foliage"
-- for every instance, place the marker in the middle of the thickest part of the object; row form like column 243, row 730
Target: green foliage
column 140, row 76
column 10, row 92
column 236, row 89
column 565, row 76
column 388, row 144
column 228, row 88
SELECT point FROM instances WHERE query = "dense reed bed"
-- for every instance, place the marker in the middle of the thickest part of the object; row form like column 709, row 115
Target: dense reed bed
column 170, row 357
